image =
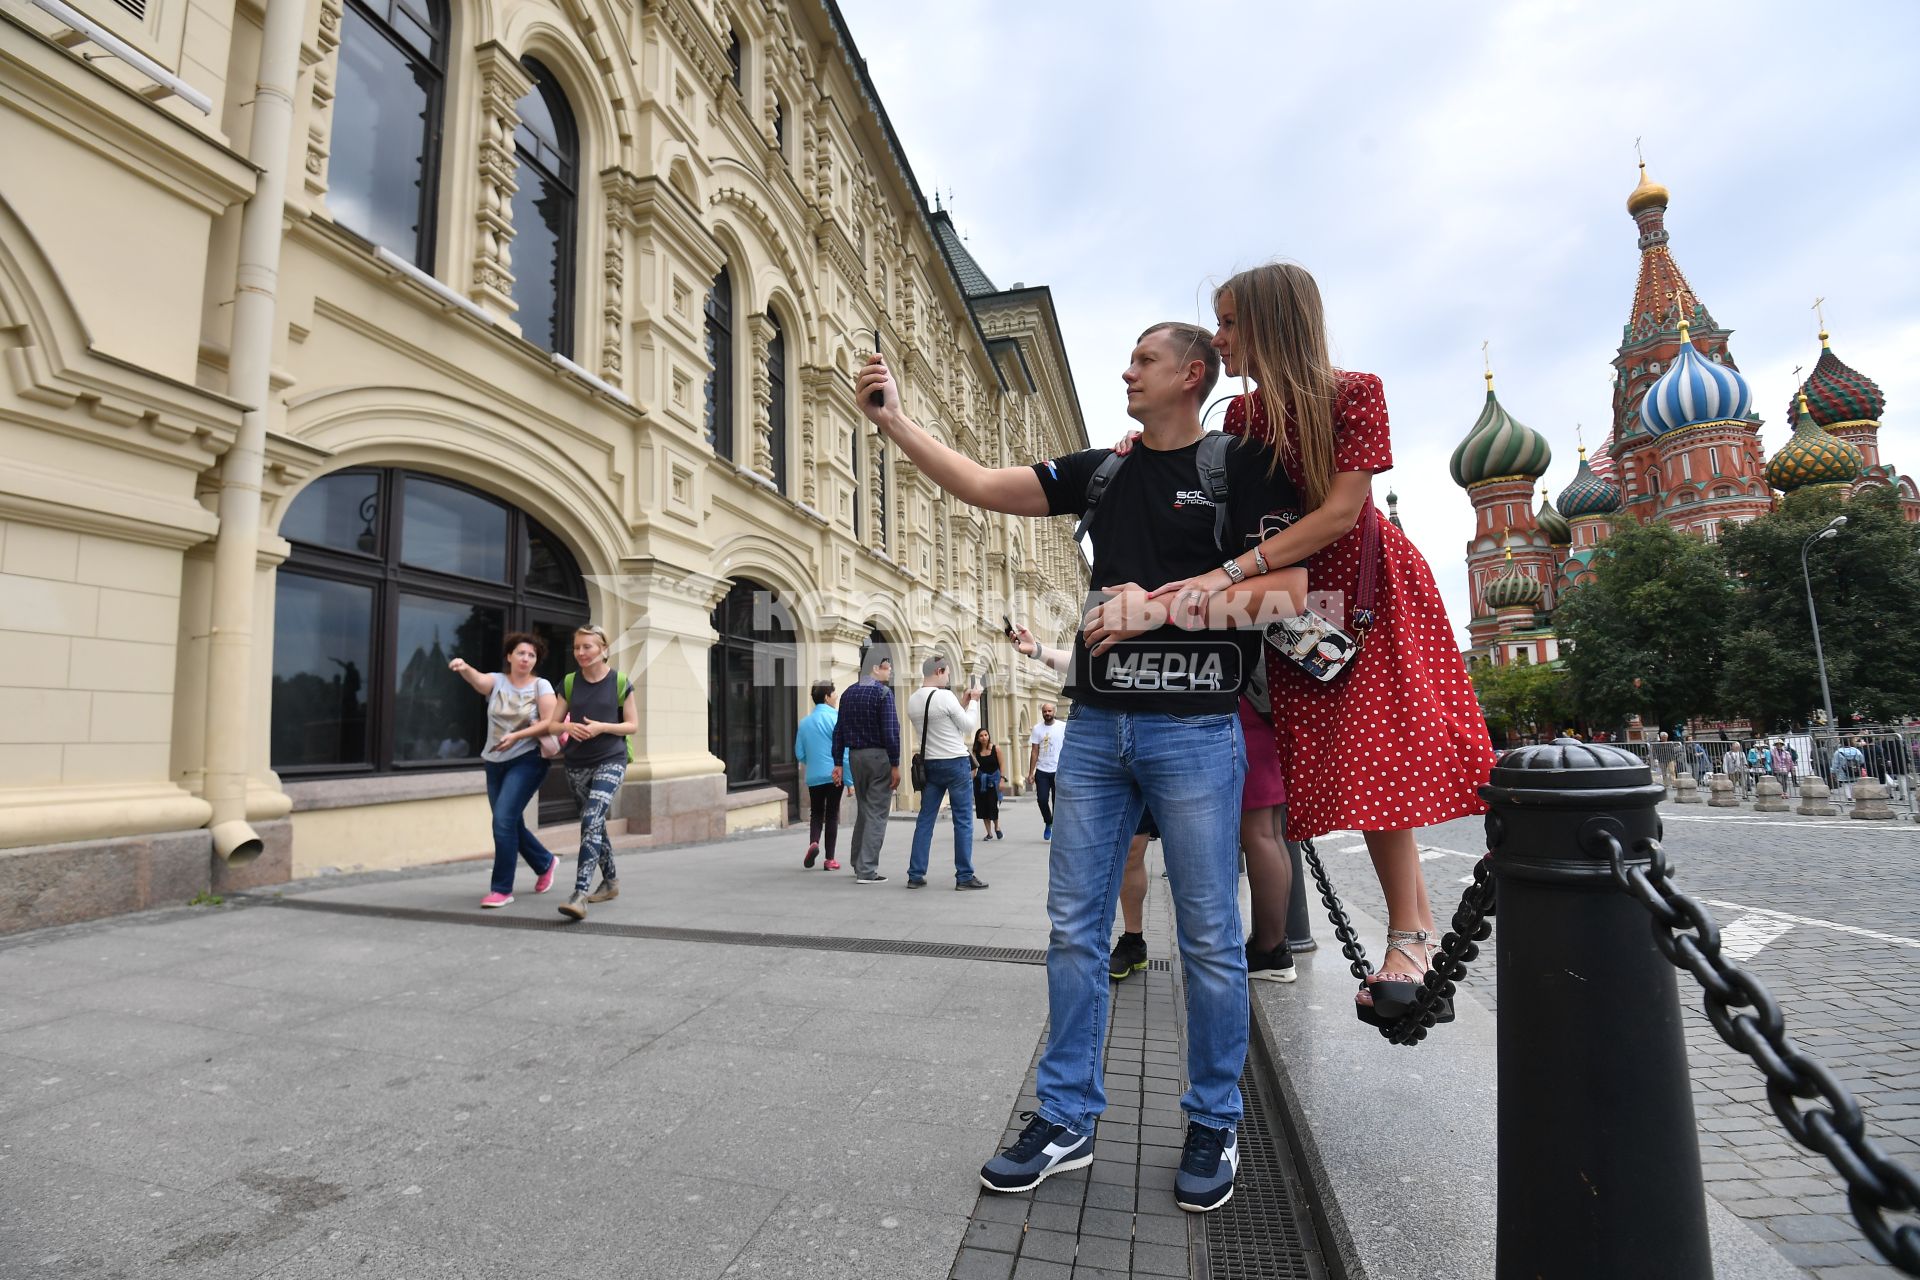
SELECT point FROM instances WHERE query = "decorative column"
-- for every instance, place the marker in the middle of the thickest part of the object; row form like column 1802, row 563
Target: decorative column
column 324, row 57
column 622, row 189
column 760, row 333
column 503, row 82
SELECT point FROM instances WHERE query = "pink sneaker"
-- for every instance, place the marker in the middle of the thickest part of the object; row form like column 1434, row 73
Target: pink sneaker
column 832, row 865
column 545, row 882
column 496, row 900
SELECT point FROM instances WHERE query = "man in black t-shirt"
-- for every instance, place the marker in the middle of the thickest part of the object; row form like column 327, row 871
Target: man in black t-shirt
column 1154, row 723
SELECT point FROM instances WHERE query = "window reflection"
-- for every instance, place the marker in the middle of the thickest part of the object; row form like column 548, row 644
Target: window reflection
column 719, row 422
column 546, row 147
column 322, row 654
column 777, row 412
column 454, row 531
column 383, row 151
column 341, row 511
column 436, row 715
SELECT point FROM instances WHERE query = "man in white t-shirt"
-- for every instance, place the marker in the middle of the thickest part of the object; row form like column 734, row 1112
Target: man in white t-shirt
column 944, row 725
column 1044, row 761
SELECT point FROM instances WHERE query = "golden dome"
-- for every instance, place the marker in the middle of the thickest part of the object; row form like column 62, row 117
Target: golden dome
column 1648, row 195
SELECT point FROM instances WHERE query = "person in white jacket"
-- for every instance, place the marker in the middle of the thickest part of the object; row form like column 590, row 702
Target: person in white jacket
column 944, row 725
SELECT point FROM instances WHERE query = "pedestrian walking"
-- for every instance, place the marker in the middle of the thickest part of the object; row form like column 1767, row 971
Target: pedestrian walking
column 519, row 703
column 1043, row 764
column 1783, row 760
column 813, row 751
column 598, row 714
column 868, row 737
column 989, row 784
column 1734, row 765
column 1849, row 764
column 946, row 723
column 1397, row 742
column 1154, row 726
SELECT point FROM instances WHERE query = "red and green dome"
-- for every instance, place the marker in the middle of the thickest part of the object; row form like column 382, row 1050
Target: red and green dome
column 1500, row 446
column 1513, row 589
column 1838, row 393
column 1552, row 523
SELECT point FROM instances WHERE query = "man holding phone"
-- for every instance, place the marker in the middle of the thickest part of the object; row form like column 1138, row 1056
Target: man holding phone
column 945, row 725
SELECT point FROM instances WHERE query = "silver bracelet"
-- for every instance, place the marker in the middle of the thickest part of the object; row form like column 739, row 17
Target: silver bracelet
column 1234, row 572
column 1259, row 561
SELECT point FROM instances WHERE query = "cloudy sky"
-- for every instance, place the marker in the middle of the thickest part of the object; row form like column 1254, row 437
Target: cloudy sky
column 1452, row 174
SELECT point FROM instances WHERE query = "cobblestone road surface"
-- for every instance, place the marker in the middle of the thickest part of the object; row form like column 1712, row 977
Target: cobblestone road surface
column 1851, row 998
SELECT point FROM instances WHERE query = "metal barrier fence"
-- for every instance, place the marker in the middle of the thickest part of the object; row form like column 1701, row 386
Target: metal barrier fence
column 1598, row 1149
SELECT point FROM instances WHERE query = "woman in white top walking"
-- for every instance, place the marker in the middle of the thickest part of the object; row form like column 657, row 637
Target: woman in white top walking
column 518, row 705
column 946, row 726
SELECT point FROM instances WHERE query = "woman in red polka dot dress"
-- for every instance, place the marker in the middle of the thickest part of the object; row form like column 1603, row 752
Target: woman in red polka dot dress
column 1398, row 742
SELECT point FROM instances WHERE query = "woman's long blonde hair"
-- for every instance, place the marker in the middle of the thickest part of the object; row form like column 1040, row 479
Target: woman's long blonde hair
column 1282, row 345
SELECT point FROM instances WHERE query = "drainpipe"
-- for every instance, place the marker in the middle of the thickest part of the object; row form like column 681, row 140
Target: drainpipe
column 236, row 552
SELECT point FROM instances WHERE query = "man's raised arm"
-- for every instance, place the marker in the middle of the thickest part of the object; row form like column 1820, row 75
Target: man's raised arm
column 1013, row 490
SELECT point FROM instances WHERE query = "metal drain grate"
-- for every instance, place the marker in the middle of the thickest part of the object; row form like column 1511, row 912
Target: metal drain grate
column 668, row 933
column 1263, row 1232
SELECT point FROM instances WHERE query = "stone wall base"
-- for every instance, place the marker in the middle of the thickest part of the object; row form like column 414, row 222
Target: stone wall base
column 676, row 810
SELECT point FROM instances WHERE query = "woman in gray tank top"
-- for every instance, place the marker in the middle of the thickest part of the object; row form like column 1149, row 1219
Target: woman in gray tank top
column 519, row 704
column 596, row 714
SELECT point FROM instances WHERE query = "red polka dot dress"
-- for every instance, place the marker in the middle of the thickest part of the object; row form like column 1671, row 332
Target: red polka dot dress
column 1398, row 741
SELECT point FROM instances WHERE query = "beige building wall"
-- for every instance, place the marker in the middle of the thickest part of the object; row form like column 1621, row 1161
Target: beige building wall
column 120, row 209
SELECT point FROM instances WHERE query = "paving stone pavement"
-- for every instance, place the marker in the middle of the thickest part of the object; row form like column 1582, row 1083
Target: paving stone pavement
column 1851, row 999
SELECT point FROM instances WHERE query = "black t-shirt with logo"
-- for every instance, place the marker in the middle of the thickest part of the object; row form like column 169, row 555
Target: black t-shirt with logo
column 1154, row 525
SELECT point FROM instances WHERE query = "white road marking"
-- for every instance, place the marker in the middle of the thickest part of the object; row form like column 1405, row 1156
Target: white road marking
column 1436, row 851
column 1875, row 934
column 1746, row 936
column 1899, row 824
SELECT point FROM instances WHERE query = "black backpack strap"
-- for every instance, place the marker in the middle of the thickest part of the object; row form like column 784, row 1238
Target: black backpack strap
column 1212, row 464
column 1097, row 485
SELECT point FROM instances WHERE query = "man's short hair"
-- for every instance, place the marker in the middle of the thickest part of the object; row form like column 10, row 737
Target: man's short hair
column 877, row 657
column 1196, row 343
column 822, row 690
column 936, row 663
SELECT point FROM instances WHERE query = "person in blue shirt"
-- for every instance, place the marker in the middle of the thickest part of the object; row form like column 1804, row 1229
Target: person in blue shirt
column 813, row 748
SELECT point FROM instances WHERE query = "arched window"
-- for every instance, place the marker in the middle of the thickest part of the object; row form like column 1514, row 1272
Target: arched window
column 719, row 424
column 777, row 411
column 753, row 687
column 546, row 207
column 393, row 575
column 384, row 153
column 736, row 61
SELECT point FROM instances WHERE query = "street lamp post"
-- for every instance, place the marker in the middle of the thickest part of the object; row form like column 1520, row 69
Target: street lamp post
column 1831, row 531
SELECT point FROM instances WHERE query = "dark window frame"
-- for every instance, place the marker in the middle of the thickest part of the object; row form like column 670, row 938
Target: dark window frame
column 566, row 151
column 719, row 311
column 777, row 409
column 382, row 570
column 737, row 60
column 774, row 708
column 435, row 60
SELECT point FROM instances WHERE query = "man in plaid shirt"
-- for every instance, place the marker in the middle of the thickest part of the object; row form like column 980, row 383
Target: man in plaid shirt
column 870, row 726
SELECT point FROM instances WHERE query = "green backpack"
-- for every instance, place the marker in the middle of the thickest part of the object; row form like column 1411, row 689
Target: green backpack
column 620, row 691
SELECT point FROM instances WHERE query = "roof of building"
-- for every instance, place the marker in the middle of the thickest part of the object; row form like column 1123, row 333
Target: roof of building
column 1552, row 523
column 1694, row 390
column 1661, row 284
column 1588, row 493
column 1499, row 445
column 1838, row 393
column 1812, row 457
column 973, row 281
column 1513, row 589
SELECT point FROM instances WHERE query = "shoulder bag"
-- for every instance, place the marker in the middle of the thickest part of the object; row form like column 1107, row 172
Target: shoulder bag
column 1315, row 645
column 917, row 766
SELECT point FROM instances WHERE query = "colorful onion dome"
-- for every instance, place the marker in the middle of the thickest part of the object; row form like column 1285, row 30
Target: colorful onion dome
column 1648, row 195
column 1552, row 523
column 1812, row 457
column 1836, row 393
column 1694, row 390
column 1588, row 494
column 1602, row 459
column 1499, row 446
column 1513, row 589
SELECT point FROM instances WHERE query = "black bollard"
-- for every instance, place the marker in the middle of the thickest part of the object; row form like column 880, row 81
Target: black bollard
column 1599, row 1161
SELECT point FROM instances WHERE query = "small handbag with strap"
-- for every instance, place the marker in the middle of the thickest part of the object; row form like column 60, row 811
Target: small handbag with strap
column 917, row 766
column 1315, row 645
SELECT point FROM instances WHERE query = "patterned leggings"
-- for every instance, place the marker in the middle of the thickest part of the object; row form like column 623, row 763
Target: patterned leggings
column 593, row 790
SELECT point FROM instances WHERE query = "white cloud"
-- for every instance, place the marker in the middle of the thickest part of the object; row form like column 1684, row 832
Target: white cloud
column 1451, row 174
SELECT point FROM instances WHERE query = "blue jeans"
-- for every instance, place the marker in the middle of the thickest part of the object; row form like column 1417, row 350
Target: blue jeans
column 953, row 779
column 1043, row 781
column 1189, row 769
column 510, row 785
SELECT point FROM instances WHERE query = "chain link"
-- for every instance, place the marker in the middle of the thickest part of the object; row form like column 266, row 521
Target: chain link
column 1748, row 1018
column 1457, row 950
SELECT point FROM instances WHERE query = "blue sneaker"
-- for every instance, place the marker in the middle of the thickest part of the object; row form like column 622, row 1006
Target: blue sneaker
column 1044, row 1149
column 1047, row 834
column 1207, row 1167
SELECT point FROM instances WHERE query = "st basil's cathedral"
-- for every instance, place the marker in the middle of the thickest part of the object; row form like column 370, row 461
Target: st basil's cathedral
column 1684, row 447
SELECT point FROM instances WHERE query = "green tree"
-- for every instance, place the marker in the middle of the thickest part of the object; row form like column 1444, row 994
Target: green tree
column 1521, row 699
column 1866, row 585
column 1645, row 635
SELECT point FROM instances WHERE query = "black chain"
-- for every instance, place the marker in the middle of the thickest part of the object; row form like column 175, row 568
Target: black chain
column 1457, row 950
column 1688, row 936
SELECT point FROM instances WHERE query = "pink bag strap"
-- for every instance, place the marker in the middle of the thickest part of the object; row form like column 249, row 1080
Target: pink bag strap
column 1363, row 613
